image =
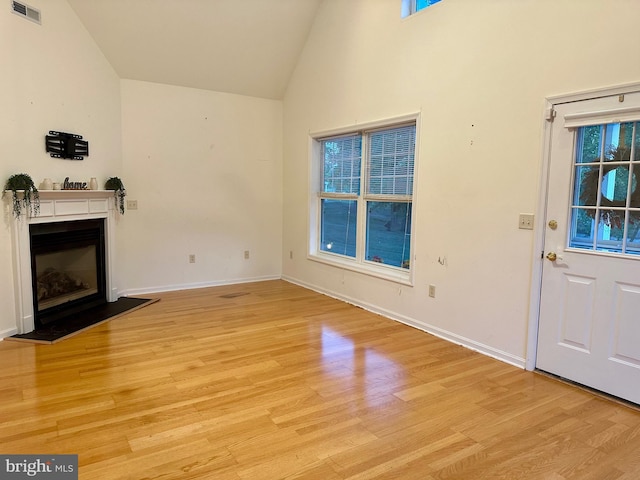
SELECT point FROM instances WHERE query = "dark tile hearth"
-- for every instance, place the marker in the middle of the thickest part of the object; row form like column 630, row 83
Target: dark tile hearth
column 57, row 331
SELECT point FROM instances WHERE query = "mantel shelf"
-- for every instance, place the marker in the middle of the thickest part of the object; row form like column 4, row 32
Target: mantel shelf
column 55, row 194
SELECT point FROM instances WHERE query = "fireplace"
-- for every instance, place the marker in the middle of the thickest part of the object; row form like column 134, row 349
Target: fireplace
column 72, row 266
column 67, row 268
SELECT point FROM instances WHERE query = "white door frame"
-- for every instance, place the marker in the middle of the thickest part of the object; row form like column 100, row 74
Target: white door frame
column 541, row 217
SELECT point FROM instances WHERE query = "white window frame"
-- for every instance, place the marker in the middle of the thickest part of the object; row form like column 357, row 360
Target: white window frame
column 403, row 276
column 408, row 7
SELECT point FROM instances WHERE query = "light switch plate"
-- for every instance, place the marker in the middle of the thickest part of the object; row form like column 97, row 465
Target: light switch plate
column 525, row 221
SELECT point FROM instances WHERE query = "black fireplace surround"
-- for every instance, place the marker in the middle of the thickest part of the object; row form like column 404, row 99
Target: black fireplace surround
column 67, row 269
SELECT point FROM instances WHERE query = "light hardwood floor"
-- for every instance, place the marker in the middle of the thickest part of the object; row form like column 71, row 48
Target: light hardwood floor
column 272, row 381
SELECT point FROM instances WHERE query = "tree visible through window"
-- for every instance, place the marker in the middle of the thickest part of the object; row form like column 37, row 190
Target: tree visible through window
column 606, row 195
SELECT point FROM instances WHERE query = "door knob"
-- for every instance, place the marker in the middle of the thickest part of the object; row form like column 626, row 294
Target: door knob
column 552, row 256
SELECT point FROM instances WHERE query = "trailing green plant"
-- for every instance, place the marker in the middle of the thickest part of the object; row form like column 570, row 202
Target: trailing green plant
column 24, row 194
column 115, row 184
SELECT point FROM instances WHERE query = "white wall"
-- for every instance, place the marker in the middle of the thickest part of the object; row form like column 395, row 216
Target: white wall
column 206, row 170
column 479, row 72
column 205, row 167
column 53, row 78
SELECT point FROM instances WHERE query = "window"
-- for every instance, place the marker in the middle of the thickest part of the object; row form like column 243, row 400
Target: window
column 364, row 199
column 339, row 194
column 606, row 196
column 409, row 7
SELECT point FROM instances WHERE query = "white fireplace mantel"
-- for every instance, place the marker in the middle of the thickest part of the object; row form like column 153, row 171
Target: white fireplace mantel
column 60, row 206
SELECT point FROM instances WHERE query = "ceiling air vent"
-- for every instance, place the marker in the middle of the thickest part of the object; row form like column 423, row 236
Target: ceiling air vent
column 26, row 11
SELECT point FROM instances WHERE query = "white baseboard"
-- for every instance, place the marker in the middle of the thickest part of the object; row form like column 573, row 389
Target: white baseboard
column 190, row 286
column 431, row 329
column 8, row 332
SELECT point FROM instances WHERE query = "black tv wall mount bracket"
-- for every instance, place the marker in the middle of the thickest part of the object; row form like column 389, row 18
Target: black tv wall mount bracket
column 66, row 145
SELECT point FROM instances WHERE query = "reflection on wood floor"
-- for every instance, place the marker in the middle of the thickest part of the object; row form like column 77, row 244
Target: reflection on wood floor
column 271, row 381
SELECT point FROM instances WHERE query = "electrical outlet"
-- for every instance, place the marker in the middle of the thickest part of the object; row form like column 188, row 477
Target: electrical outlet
column 246, row 254
column 192, row 258
column 132, row 204
column 525, row 221
column 432, row 291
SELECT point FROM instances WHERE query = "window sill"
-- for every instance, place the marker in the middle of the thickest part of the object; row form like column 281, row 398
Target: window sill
column 392, row 274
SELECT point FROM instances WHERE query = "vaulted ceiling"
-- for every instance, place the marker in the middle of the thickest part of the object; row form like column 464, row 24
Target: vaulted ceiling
column 247, row 47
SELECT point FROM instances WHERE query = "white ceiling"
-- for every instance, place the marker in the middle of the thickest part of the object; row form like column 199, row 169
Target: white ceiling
column 248, row 47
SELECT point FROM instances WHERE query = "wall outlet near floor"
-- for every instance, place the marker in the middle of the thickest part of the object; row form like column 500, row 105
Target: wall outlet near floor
column 432, row 291
column 192, row 258
column 246, row 254
column 132, row 204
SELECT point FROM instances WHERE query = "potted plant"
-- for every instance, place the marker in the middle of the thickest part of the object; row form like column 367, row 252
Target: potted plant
column 115, row 184
column 23, row 194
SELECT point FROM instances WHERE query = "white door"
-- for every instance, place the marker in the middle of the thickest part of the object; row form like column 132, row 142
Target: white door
column 589, row 326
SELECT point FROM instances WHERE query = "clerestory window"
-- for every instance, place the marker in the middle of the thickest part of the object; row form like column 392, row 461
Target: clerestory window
column 409, row 7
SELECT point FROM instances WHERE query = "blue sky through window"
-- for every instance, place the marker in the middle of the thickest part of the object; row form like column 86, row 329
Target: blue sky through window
column 420, row 4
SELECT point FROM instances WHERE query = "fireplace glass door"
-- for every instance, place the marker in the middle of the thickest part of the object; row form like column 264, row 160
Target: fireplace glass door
column 65, row 276
column 67, row 263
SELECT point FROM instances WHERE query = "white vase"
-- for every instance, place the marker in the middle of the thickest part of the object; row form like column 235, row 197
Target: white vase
column 47, row 184
column 93, row 184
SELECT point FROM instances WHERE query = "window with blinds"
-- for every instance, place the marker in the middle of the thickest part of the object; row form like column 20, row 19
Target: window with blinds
column 390, row 165
column 365, row 196
column 341, row 158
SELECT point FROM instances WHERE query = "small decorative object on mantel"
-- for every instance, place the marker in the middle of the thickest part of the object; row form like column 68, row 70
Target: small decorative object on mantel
column 93, row 184
column 115, row 184
column 66, row 145
column 67, row 185
column 46, row 184
column 22, row 183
